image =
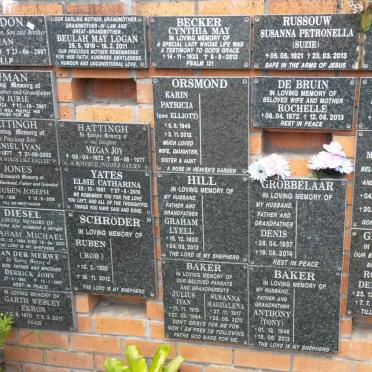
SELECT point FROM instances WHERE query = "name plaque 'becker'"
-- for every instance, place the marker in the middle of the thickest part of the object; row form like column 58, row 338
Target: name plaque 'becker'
column 98, row 41
column 23, row 41
column 26, row 95
column 201, row 124
column 303, row 103
column 105, row 145
column 306, row 42
column 200, row 42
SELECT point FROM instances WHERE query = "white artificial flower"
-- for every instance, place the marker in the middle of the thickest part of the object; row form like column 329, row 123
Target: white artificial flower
column 335, row 148
column 345, row 167
column 7, row 5
column 257, row 171
column 325, row 160
column 277, row 165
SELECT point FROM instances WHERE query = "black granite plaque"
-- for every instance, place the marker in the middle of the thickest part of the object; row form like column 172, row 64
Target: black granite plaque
column 98, row 41
column 303, row 103
column 359, row 300
column 38, row 309
column 203, row 217
column 365, row 104
column 107, row 190
column 201, row 124
column 362, row 205
column 306, row 42
column 26, row 94
column 205, row 301
column 32, row 186
column 367, row 62
column 200, row 42
column 23, row 41
column 288, row 219
column 32, row 229
column 111, row 254
column 107, row 145
column 294, row 309
column 28, row 141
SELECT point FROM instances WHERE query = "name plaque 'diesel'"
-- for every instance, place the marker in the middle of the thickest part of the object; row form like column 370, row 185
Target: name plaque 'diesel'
column 23, row 41
column 303, row 103
column 306, row 42
column 98, row 41
column 26, row 95
column 201, row 124
column 200, row 42
column 106, row 145
column 365, row 104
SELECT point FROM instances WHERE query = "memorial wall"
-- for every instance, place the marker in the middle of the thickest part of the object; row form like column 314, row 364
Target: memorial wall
column 128, row 213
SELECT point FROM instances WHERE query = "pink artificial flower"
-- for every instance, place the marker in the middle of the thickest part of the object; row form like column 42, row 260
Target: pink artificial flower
column 335, row 148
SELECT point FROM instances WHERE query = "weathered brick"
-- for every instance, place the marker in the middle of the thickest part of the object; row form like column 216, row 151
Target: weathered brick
column 154, row 310
column 100, row 344
column 165, row 8
column 356, row 349
column 255, row 143
column 96, row 73
column 105, row 112
column 146, row 115
column 299, row 167
column 85, row 303
column 116, row 9
column 262, row 359
column 302, row 6
column 69, row 359
column 323, row 364
column 348, row 144
column 69, row 89
column 148, row 348
column 41, row 368
column 363, row 367
column 66, row 111
column 117, row 325
column 35, row 9
column 228, row 7
column 21, row 354
column 205, row 354
column 43, row 339
column 157, row 330
column 346, row 327
column 84, row 323
column 144, row 91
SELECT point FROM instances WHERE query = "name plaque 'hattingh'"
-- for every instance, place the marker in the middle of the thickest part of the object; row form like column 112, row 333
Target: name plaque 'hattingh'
column 303, row 103
column 98, row 41
column 190, row 124
column 106, row 145
column 200, row 42
column 306, row 42
column 26, row 95
column 23, row 41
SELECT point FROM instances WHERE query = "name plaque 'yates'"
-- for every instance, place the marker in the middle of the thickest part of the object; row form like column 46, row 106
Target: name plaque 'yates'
column 105, row 145
column 365, row 104
column 28, row 141
column 303, row 103
column 98, row 41
column 23, row 41
column 190, row 124
column 200, row 42
column 306, row 42
column 26, row 95
column 112, row 253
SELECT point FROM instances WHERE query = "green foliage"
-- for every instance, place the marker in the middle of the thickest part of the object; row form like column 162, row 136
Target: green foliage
column 137, row 363
column 365, row 20
column 6, row 323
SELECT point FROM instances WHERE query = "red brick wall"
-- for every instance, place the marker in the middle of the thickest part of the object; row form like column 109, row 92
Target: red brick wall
column 106, row 325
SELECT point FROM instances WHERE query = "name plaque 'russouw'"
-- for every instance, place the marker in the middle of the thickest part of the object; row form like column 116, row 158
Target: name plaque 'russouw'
column 194, row 120
column 24, row 41
column 26, row 95
column 200, row 42
column 303, row 103
column 105, row 145
column 306, row 42
column 98, row 41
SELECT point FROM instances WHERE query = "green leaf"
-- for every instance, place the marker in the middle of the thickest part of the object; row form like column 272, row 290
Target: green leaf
column 159, row 358
column 365, row 20
column 132, row 352
column 115, row 365
column 139, row 365
column 174, row 365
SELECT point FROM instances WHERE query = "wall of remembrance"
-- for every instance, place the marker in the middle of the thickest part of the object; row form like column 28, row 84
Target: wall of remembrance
column 126, row 212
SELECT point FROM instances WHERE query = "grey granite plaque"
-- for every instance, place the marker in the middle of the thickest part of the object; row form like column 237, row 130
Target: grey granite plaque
column 98, row 41
column 23, row 41
column 112, row 254
column 362, row 205
column 38, row 230
column 359, row 298
column 38, row 309
column 107, row 190
column 31, row 186
column 306, row 42
column 365, row 104
column 26, row 95
column 297, row 223
column 200, row 42
column 106, row 145
column 28, row 141
column 367, row 62
column 303, row 103
column 201, row 124
column 203, row 217
column 294, row 309
column 205, row 301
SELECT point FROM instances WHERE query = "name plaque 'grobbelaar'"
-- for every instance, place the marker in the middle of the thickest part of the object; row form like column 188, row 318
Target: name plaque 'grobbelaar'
column 98, row 41
column 303, row 103
column 26, row 95
column 191, row 116
column 105, row 145
column 200, row 42
column 306, row 42
column 24, row 41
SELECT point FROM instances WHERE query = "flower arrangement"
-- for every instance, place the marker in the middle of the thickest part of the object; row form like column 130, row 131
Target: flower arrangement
column 331, row 162
column 364, row 9
column 269, row 166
